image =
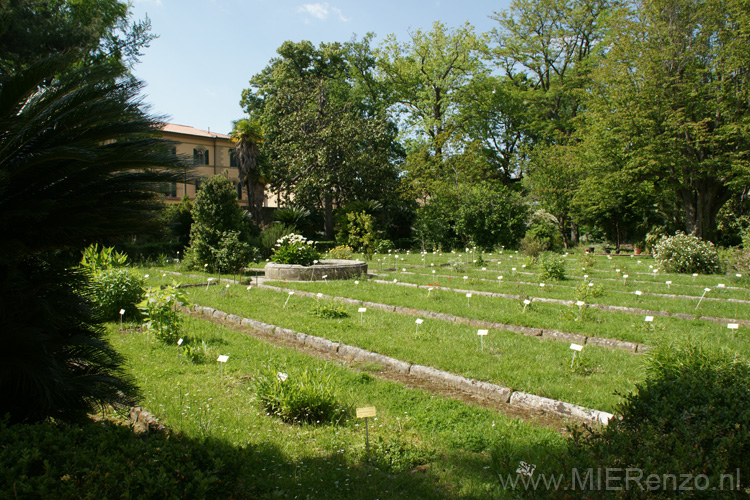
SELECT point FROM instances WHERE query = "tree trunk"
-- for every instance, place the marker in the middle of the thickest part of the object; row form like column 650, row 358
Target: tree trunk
column 328, row 215
column 701, row 205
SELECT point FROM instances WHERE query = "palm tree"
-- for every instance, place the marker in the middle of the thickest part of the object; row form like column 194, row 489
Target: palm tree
column 79, row 162
column 248, row 136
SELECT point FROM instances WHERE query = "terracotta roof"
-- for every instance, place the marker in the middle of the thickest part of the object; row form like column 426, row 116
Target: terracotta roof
column 185, row 130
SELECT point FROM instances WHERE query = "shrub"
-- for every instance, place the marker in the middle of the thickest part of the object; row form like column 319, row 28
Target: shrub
column 553, row 266
column 361, row 232
column 160, row 311
column 685, row 253
column 329, row 310
column 545, row 228
column 341, row 252
column 111, row 286
column 231, row 255
column 270, row 236
column 216, row 216
column 533, row 246
column 299, row 397
column 116, row 289
column 295, row 249
column 690, row 416
column 384, row 245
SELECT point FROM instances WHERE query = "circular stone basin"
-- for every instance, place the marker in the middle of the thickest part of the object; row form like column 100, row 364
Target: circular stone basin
column 331, row 269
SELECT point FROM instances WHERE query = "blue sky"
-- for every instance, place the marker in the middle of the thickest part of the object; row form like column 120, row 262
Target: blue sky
column 208, row 50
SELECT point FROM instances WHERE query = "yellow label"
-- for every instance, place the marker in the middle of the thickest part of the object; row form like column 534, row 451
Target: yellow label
column 366, row 412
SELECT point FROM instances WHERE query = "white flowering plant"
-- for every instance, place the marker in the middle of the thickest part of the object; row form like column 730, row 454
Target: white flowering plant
column 685, row 253
column 295, row 249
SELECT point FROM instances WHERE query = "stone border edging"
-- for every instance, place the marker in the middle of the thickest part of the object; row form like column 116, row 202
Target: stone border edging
column 485, row 389
column 601, row 307
column 577, row 338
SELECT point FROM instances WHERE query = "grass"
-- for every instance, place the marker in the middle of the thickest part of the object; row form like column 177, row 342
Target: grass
column 596, row 323
column 512, row 360
column 447, row 439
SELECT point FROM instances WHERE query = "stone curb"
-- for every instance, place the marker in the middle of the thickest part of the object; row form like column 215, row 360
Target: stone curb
column 556, row 335
column 601, row 307
column 351, row 353
column 524, row 400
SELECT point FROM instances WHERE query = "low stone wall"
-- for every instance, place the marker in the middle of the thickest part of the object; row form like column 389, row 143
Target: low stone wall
column 473, row 386
column 332, row 269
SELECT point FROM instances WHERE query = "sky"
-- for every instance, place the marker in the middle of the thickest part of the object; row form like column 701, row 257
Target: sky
column 208, row 50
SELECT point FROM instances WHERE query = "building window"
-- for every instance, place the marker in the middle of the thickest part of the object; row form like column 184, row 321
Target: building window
column 232, row 157
column 239, row 191
column 200, row 156
column 197, row 185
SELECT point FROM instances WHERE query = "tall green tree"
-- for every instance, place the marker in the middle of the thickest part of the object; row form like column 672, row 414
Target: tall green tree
column 79, row 162
column 326, row 145
column 546, row 50
column 425, row 77
column 673, row 101
column 98, row 31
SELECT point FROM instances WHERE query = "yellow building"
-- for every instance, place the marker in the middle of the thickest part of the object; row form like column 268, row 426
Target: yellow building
column 212, row 154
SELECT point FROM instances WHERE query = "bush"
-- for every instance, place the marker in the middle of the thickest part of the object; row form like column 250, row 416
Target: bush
column 329, row 310
column 545, row 228
column 299, row 397
column 553, row 266
column 111, row 286
column 270, row 236
column 533, row 246
column 295, row 249
column 685, row 253
column 690, row 416
column 116, row 289
column 340, row 252
column 160, row 311
column 216, row 217
column 360, row 233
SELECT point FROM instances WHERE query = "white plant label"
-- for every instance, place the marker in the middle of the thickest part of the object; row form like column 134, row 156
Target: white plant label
column 649, row 319
column 580, row 303
column 282, row 376
column 733, row 326
column 362, row 309
column 419, row 321
column 721, row 285
column 527, row 302
column 179, row 342
column 122, row 311
column 576, row 347
column 638, row 293
column 356, row 282
column 319, row 295
column 482, row 332
column 325, row 276
column 468, row 295
column 222, row 359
